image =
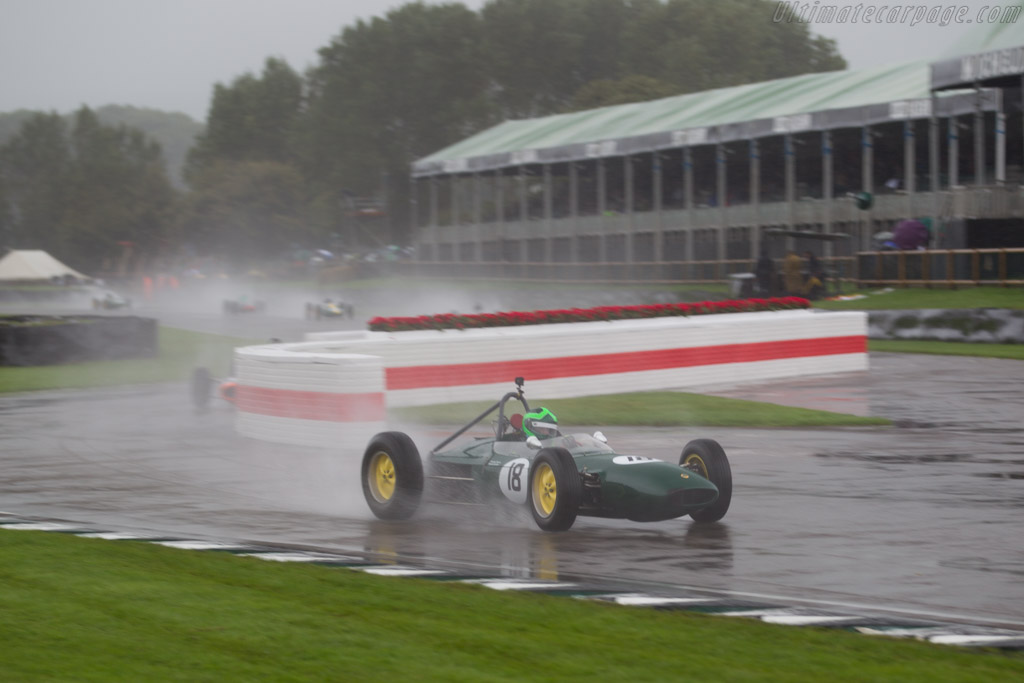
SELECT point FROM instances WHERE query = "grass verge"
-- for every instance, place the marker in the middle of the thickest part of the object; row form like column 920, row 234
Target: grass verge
column 1014, row 351
column 92, row 610
column 654, row 409
column 180, row 352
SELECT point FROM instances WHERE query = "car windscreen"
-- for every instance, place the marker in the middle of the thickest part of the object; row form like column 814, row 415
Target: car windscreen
column 580, row 443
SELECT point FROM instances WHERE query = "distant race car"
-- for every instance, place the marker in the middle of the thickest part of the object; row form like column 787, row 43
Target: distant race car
column 329, row 309
column 529, row 462
column 243, row 305
column 108, row 300
column 203, row 385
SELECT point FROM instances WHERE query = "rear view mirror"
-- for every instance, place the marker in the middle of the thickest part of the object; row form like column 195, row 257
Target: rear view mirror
column 601, row 437
column 533, row 443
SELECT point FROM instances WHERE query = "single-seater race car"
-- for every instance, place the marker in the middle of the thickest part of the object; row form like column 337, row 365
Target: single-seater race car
column 108, row 300
column 204, row 386
column 243, row 305
column 557, row 476
column 329, row 308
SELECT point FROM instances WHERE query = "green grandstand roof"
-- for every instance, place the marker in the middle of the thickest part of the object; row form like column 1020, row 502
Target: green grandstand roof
column 816, row 101
column 990, row 54
column 819, row 101
column 982, row 37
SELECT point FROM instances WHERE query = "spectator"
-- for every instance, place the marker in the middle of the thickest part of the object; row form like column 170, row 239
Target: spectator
column 814, row 283
column 792, row 274
column 765, row 273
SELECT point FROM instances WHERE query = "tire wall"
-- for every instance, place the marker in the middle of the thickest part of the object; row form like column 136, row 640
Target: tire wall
column 557, row 361
column 78, row 339
column 974, row 325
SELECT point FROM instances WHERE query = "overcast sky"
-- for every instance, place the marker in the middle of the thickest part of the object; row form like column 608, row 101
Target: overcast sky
column 168, row 54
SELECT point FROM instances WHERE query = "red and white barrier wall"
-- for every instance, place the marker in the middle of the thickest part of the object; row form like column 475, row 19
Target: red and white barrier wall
column 308, row 398
column 282, row 386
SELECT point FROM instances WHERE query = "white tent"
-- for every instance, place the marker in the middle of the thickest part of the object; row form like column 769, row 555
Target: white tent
column 26, row 265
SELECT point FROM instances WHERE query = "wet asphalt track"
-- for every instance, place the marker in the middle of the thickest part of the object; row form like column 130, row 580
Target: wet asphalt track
column 923, row 518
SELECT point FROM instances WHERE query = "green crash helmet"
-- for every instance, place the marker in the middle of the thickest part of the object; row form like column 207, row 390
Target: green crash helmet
column 542, row 424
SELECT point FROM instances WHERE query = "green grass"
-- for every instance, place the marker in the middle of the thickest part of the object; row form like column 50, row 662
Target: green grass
column 91, row 610
column 655, row 409
column 942, row 348
column 915, row 297
column 180, row 352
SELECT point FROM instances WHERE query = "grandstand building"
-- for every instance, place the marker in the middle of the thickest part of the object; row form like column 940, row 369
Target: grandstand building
column 694, row 186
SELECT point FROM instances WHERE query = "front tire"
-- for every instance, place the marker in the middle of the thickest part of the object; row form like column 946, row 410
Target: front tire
column 707, row 458
column 555, row 489
column 392, row 476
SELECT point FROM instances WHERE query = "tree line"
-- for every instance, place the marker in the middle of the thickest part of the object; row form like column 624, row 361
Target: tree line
column 283, row 154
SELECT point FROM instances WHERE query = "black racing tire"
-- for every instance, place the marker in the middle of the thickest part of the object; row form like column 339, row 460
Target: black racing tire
column 707, row 458
column 555, row 489
column 392, row 476
column 201, row 386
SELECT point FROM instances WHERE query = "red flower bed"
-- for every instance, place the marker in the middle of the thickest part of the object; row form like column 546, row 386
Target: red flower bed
column 460, row 321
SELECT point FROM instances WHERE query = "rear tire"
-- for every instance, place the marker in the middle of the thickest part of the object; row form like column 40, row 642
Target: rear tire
column 555, row 489
column 392, row 476
column 200, row 388
column 707, row 458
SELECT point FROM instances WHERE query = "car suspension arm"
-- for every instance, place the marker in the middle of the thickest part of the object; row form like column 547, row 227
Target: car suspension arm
column 464, row 429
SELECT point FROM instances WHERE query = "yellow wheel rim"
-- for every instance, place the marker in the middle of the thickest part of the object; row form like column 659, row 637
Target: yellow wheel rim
column 696, row 463
column 545, row 492
column 382, row 477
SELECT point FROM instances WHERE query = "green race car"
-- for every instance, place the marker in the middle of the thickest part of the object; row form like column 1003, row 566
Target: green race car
column 558, row 476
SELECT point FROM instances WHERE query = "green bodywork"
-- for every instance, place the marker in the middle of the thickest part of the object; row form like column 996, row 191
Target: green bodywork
column 615, row 485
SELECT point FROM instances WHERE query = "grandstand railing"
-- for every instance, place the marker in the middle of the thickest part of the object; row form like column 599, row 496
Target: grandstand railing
column 941, row 267
column 840, row 271
column 932, row 268
column 971, row 202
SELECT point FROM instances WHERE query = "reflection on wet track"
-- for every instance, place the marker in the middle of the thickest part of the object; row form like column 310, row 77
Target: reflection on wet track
column 926, row 517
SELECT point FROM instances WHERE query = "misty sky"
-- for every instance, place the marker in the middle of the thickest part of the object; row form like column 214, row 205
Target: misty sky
column 168, row 54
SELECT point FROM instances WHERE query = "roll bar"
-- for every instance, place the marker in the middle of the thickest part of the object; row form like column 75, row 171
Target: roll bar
column 518, row 395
